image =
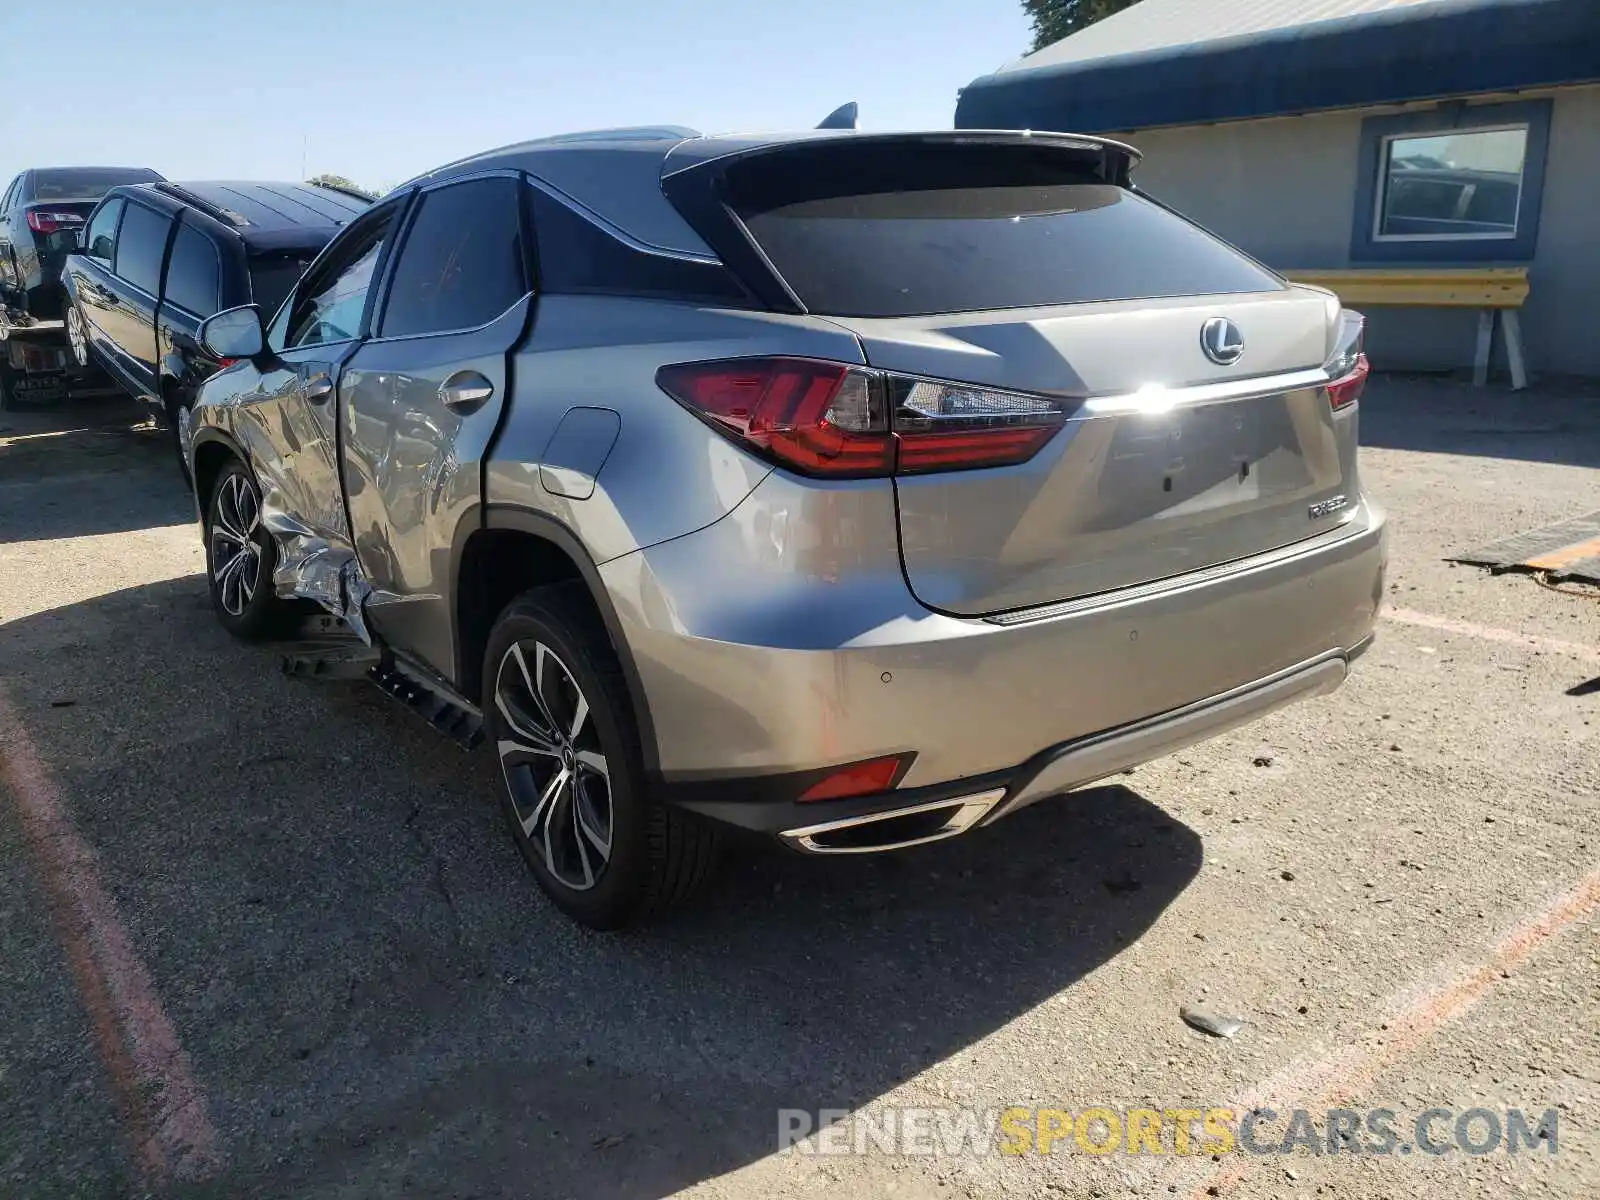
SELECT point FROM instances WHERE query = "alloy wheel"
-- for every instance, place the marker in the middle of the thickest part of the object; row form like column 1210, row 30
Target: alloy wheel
column 555, row 768
column 76, row 336
column 235, row 553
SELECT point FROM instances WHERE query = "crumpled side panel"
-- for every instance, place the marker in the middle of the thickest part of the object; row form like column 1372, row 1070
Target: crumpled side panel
column 293, row 452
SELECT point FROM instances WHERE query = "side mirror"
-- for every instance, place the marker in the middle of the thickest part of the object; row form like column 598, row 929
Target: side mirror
column 234, row 333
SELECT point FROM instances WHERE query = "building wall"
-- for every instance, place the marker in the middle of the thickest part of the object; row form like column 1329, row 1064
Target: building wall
column 1283, row 189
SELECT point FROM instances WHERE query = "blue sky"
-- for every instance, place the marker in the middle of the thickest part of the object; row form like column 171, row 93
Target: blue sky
column 379, row 91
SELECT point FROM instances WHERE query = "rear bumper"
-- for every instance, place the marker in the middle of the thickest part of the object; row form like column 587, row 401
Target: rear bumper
column 907, row 817
column 766, row 657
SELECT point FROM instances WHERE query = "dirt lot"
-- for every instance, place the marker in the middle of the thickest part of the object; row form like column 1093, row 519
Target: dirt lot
column 265, row 937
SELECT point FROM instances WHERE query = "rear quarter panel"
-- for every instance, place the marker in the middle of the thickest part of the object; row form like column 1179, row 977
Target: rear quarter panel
column 668, row 473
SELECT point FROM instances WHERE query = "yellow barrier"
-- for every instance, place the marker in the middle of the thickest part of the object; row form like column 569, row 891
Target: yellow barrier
column 1493, row 291
column 1497, row 287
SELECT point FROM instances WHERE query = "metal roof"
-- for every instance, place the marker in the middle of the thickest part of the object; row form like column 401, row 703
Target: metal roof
column 1256, row 58
column 1159, row 24
column 270, row 207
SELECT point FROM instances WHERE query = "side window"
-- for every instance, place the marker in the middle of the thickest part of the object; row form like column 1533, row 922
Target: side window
column 578, row 258
column 194, row 275
column 462, row 262
column 141, row 245
column 10, row 199
column 330, row 303
column 101, row 240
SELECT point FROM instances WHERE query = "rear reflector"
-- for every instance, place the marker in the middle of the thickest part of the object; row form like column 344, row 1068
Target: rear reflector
column 858, row 779
column 44, row 221
column 830, row 419
column 1346, row 390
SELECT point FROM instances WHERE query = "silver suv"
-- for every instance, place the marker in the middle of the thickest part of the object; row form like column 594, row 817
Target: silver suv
column 856, row 489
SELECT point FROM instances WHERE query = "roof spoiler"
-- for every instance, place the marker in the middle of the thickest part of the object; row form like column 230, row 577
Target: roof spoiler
column 843, row 117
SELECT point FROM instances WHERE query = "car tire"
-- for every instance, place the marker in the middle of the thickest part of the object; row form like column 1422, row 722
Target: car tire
column 77, row 335
column 177, row 412
column 607, row 852
column 241, row 594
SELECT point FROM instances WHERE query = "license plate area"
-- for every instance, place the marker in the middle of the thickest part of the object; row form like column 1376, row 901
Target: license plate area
column 1172, row 457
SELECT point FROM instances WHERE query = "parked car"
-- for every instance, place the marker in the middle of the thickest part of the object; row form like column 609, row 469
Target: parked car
column 41, row 212
column 157, row 259
column 858, row 489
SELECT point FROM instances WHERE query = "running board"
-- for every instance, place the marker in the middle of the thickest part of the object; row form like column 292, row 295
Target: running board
column 459, row 721
column 322, row 647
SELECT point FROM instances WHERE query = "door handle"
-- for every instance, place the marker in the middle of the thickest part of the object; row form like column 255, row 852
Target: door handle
column 465, row 392
column 318, row 388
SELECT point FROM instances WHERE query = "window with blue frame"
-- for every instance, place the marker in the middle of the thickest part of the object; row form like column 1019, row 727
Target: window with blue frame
column 1457, row 184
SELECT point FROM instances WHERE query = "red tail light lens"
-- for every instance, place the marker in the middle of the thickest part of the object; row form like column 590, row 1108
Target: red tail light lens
column 858, row 779
column 42, row 221
column 1346, row 390
column 818, row 417
column 829, row 419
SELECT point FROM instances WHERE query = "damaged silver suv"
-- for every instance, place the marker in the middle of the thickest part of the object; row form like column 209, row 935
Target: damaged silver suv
column 857, row 489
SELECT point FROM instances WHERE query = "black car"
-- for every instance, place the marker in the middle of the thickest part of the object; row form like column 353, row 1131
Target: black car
column 41, row 213
column 156, row 259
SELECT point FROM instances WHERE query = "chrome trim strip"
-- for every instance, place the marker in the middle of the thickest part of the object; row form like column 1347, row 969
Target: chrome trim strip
column 1281, row 556
column 1155, row 398
column 969, row 810
column 615, row 230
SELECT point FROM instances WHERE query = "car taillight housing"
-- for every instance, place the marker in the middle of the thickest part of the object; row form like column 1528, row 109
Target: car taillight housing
column 1346, row 390
column 848, row 422
column 1348, row 367
column 44, row 221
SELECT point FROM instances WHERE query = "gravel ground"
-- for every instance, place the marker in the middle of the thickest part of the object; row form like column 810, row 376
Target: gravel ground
column 374, row 999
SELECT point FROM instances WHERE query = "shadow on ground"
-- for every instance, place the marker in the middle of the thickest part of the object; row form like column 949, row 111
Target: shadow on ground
column 378, row 1001
column 1554, row 421
column 67, row 473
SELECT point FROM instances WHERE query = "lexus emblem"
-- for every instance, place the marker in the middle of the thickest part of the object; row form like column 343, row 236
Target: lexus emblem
column 1221, row 340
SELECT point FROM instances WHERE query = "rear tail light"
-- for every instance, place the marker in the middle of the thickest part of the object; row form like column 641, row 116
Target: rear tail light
column 829, row 419
column 44, row 221
column 1348, row 367
column 1346, row 390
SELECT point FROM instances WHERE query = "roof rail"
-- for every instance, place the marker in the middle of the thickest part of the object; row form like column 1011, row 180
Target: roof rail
column 353, row 192
column 215, row 211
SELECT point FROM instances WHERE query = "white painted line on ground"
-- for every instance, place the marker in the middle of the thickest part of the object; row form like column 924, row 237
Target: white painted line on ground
column 1488, row 633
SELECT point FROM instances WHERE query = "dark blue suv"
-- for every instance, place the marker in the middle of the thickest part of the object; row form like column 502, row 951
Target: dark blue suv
column 155, row 260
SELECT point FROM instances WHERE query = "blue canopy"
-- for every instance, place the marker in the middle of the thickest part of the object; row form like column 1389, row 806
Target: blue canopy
column 1414, row 52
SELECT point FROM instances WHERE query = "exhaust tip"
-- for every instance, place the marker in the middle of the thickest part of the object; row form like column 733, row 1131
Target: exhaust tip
column 897, row 828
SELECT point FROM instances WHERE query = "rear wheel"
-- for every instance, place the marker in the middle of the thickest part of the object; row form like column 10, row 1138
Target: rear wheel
column 572, row 776
column 177, row 416
column 240, row 556
column 77, row 335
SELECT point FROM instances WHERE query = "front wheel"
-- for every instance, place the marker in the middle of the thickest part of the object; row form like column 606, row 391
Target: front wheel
column 240, row 556
column 573, row 786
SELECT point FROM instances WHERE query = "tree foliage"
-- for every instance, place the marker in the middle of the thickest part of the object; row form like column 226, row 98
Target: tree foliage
column 1056, row 19
column 339, row 181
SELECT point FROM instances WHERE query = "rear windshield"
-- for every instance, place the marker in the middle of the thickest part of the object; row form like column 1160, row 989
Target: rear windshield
column 937, row 229
column 85, row 183
column 272, row 277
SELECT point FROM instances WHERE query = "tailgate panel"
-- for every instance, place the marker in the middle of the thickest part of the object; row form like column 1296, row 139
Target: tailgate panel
column 1123, row 498
column 1167, row 463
